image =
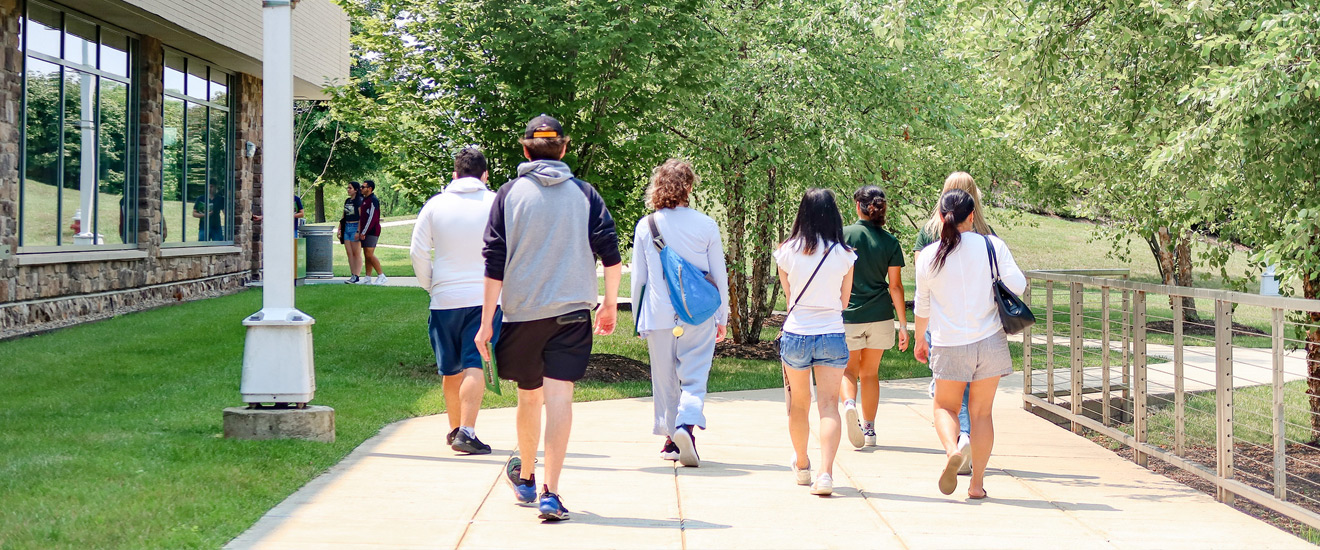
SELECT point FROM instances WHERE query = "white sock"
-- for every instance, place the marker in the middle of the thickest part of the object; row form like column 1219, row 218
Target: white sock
column 470, row 431
column 963, row 440
column 868, row 425
column 849, row 403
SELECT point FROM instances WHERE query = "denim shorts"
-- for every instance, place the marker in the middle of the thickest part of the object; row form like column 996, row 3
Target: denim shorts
column 803, row 351
column 350, row 230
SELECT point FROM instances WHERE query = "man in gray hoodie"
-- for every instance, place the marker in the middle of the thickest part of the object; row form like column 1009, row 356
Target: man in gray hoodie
column 546, row 230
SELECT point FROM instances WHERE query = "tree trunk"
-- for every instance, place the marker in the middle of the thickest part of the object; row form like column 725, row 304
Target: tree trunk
column 1183, row 273
column 762, row 293
column 736, row 259
column 320, row 203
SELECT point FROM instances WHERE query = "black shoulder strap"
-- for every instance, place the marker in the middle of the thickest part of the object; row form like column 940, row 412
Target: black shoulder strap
column 809, row 279
column 656, row 239
column 994, row 262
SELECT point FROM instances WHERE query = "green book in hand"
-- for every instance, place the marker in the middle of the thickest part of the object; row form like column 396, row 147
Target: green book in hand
column 490, row 371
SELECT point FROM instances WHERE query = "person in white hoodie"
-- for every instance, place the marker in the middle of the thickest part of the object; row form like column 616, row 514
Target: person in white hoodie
column 968, row 346
column 452, row 224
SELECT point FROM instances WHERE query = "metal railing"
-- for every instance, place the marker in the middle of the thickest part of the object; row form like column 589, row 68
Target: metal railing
column 1223, row 396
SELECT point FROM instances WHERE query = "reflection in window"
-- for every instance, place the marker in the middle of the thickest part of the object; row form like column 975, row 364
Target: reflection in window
column 197, row 191
column 75, row 187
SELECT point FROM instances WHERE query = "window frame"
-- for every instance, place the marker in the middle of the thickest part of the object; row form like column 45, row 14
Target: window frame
column 230, row 132
column 131, row 130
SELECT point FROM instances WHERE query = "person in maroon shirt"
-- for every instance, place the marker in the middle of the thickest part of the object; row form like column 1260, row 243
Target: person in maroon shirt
column 369, row 231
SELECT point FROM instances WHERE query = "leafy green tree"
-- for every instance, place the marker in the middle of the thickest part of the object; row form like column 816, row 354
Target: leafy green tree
column 328, row 151
column 445, row 75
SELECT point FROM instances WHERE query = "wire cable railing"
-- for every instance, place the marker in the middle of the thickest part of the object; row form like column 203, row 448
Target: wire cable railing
column 1170, row 372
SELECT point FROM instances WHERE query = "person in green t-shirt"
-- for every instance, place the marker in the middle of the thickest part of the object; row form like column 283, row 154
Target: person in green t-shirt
column 877, row 298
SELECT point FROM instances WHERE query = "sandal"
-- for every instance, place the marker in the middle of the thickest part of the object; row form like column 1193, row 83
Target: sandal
column 984, row 495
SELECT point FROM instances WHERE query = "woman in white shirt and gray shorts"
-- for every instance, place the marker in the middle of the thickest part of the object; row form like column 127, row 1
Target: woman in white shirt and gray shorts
column 968, row 344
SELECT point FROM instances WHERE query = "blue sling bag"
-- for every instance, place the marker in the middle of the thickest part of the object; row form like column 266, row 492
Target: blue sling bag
column 692, row 291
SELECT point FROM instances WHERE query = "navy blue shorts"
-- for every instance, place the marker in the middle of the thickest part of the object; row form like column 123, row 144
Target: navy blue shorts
column 452, row 334
column 801, row 351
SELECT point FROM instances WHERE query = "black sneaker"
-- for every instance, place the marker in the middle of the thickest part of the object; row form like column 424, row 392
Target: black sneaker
column 352, row 280
column 687, row 446
column 449, row 439
column 523, row 489
column 470, row 445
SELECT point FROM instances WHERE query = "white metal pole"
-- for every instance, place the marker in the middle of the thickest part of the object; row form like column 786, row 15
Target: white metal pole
column 277, row 354
column 277, row 156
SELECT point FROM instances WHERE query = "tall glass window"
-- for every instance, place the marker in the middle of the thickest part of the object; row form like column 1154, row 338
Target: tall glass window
column 197, row 180
column 77, row 186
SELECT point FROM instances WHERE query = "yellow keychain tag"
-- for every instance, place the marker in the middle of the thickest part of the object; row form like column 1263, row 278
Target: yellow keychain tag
column 678, row 331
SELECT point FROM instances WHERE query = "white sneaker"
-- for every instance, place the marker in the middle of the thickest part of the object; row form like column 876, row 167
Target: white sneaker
column 803, row 475
column 381, row 279
column 854, row 425
column 364, row 280
column 965, row 448
column 869, row 435
column 823, row 486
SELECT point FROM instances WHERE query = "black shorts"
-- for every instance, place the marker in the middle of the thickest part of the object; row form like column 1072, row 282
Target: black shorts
column 558, row 348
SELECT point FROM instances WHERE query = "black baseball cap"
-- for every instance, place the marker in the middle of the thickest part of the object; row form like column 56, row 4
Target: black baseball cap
column 544, row 126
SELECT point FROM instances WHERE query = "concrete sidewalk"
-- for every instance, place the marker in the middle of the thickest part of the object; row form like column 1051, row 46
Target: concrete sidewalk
column 1048, row 489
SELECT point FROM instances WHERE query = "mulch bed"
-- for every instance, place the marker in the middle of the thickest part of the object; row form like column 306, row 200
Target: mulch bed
column 1253, row 466
column 1203, row 327
column 610, row 368
column 761, row 351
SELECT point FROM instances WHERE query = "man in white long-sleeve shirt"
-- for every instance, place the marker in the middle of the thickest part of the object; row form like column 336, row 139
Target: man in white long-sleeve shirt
column 452, row 224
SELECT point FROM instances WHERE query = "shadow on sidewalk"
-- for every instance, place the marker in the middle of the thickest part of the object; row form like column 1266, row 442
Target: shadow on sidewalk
column 596, row 519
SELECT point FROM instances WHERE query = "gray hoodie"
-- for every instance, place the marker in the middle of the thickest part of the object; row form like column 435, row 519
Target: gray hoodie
column 544, row 234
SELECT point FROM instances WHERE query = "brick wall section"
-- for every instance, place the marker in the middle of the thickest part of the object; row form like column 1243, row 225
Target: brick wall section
column 247, row 171
column 10, row 96
column 37, row 298
column 151, row 142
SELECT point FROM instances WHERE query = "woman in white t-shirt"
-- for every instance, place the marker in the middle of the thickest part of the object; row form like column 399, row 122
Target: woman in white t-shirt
column 968, row 345
column 816, row 270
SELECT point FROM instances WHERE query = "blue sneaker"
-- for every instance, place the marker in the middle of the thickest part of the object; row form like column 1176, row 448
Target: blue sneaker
column 552, row 508
column 523, row 489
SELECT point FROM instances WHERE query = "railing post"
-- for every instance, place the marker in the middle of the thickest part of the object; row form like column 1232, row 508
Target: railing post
column 1179, row 403
column 1224, row 396
column 1026, row 352
column 1127, row 345
column 1075, row 351
column 1139, row 374
column 1104, row 356
column 1049, row 342
column 1280, row 440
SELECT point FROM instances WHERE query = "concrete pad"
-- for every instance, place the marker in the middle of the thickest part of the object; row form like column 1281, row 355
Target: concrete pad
column 1049, row 488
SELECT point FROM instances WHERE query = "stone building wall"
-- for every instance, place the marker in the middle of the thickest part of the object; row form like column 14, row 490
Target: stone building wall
column 36, row 298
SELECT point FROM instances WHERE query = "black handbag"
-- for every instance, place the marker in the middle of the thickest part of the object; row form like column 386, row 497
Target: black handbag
column 1015, row 315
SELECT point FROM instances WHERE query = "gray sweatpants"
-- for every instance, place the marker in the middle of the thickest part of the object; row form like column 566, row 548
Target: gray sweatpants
column 680, row 367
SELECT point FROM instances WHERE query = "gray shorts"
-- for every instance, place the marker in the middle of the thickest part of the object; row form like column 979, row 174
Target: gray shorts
column 988, row 358
column 370, row 241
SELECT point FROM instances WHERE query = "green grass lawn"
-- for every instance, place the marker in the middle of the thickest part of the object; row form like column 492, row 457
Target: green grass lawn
column 112, row 429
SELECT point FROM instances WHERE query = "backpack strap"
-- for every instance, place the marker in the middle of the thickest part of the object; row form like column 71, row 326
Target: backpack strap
column 656, row 238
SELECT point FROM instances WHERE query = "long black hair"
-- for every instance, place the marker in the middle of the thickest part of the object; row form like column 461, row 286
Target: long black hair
column 955, row 206
column 357, row 188
column 871, row 200
column 817, row 219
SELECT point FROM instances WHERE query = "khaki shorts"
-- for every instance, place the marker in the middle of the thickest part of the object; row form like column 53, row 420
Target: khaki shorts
column 877, row 335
